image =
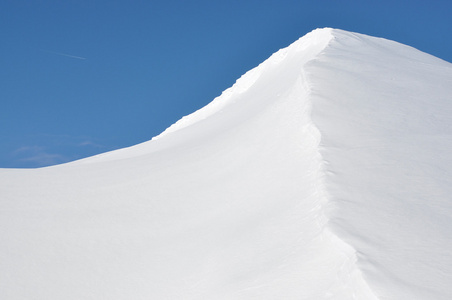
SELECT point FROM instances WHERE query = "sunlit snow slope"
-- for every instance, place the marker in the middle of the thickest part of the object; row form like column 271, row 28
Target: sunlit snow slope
column 324, row 173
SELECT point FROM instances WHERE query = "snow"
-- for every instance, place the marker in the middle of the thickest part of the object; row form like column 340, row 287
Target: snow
column 386, row 135
column 323, row 173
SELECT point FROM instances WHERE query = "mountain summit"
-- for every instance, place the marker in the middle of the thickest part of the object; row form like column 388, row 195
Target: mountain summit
column 323, row 173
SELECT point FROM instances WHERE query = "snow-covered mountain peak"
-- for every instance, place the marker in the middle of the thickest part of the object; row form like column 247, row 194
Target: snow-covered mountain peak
column 323, row 173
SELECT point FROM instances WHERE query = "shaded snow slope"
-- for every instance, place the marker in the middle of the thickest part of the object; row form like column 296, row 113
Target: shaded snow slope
column 384, row 111
column 323, row 173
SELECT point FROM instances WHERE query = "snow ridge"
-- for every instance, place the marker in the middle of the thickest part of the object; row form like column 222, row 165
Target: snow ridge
column 293, row 93
column 313, row 41
column 353, row 285
column 288, row 63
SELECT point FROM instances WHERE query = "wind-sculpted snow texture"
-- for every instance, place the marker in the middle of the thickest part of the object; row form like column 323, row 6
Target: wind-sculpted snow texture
column 323, row 173
column 384, row 111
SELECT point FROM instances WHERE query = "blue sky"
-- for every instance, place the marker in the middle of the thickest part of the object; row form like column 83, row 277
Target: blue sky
column 83, row 77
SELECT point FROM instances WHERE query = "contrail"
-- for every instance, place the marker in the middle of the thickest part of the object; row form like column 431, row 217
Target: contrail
column 64, row 54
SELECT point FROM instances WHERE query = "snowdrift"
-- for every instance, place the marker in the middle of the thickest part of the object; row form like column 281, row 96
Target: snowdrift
column 323, row 173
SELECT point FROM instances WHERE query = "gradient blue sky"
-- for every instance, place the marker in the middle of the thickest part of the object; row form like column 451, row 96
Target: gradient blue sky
column 84, row 77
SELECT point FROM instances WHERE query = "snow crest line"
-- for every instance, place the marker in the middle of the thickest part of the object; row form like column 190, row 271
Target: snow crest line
column 349, row 274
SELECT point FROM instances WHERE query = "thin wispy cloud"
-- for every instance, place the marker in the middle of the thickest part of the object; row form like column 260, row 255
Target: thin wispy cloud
column 38, row 156
column 69, row 140
column 90, row 144
column 64, row 54
column 51, row 149
column 45, row 159
column 28, row 149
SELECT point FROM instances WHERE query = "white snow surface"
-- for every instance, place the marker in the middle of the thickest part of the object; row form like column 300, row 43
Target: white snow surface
column 323, row 173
